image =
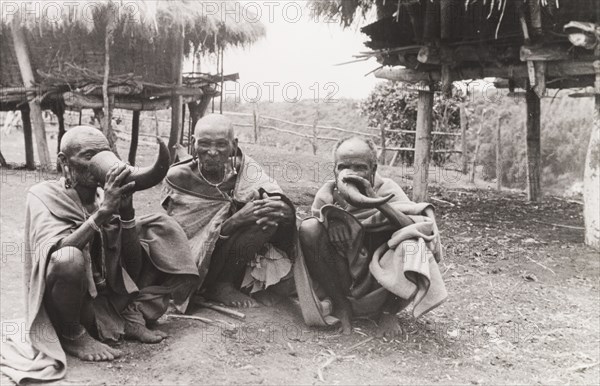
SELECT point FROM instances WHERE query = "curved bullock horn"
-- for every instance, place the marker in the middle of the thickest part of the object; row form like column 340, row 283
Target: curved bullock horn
column 354, row 197
column 144, row 178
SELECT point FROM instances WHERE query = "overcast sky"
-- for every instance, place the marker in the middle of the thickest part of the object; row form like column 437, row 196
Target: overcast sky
column 299, row 53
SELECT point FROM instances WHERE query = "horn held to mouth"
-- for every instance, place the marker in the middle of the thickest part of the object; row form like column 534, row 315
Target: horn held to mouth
column 144, row 177
column 354, row 197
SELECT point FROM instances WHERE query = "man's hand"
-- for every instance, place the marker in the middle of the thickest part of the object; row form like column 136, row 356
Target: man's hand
column 114, row 192
column 273, row 211
column 340, row 236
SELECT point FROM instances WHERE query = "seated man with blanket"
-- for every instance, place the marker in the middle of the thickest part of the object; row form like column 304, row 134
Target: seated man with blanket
column 232, row 212
column 94, row 271
column 369, row 248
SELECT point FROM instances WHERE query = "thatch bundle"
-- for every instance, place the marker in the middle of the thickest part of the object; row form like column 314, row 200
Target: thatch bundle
column 72, row 32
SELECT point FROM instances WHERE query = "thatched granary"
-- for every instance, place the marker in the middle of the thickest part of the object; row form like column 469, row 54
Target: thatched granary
column 141, row 70
column 529, row 44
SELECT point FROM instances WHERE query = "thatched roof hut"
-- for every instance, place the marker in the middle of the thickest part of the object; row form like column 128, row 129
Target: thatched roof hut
column 66, row 44
column 531, row 44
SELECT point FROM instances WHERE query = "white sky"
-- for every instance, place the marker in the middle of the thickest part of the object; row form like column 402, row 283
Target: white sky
column 299, row 53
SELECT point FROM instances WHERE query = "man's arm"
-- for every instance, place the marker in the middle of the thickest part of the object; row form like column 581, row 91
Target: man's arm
column 131, row 248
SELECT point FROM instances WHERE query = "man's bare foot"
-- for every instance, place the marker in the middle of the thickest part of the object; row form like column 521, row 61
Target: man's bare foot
column 227, row 294
column 388, row 327
column 344, row 314
column 87, row 348
column 267, row 297
column 136, row 331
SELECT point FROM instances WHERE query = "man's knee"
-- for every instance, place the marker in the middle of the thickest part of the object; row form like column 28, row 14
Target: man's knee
column 67, row 263
column 310, row 231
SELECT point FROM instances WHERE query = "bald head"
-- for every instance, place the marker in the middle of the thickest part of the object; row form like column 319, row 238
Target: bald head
column 80, row 137
column 355, row 147
column 214, row 126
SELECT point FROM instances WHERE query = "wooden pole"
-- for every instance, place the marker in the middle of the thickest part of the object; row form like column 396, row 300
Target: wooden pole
column 499, row 155
column 108, row 100
column 464, row 124
column 383, row 149
column 35, row 108
column 221, row 97
column 315, row 138
column 591, row 175
column 477, row 145
column 534, row 191
column 176, row 100
column 423, row 145
column 255, row 122
column 26, row 119
column 135, row 135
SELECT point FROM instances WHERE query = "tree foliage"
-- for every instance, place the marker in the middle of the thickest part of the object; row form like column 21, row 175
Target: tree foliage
column 394, row 105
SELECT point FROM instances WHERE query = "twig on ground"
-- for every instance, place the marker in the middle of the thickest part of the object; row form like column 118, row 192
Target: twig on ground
column 559, row 225
column 442, row 201
column 540, row 264
column 335, row 357
column 581, row 368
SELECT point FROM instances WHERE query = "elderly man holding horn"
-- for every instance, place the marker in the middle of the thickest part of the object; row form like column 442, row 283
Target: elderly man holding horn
column 95, row 272
column 367, row 248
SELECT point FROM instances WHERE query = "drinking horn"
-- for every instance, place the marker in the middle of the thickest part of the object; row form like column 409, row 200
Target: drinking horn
column 144, row 177
column 351, row 193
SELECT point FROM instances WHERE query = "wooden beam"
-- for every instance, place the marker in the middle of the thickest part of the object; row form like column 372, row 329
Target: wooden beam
column 35, row 109
column 76, row 101
column 135, row 135
column 423, row 145
column 553, row 70
column 26, row 120
column 544, row 53
column 534, row 192
column 176, row 100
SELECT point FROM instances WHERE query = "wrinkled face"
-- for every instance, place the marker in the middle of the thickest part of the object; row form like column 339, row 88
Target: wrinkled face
column 213, row 148
column 77, row 155
column 354, row 157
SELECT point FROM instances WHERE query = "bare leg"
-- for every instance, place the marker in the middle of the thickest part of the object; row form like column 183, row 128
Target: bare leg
column 388, row 321
column 328, row 268
column 135, row 323
column 64, row 296
column 228, row 264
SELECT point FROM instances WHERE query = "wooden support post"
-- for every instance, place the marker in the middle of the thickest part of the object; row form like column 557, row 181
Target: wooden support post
column 181, row 134
column 26, row 119
column 591, row 175
column 135, row 135
column 477, row 146
column 60, row 116
column 499, row 155
column 464, row 124
column 35, row 109
column 423, row 145
column 534, row 192
column 382, row 154
column 394, row 158
column 176, row 100
column 315, row 138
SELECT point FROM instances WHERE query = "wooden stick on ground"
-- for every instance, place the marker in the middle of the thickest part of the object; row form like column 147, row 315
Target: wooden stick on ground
column 221, row 309
column 559, row 225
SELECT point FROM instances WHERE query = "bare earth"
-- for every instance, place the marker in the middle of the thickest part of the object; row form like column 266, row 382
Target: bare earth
column 523, row 307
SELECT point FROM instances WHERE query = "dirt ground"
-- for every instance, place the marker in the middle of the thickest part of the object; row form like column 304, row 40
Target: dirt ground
column 523, row 304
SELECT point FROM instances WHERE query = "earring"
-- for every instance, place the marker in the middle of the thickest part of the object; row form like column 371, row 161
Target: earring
column 67, row 175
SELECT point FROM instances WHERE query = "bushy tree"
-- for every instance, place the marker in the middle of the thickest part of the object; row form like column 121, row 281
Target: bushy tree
column 394, row 105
